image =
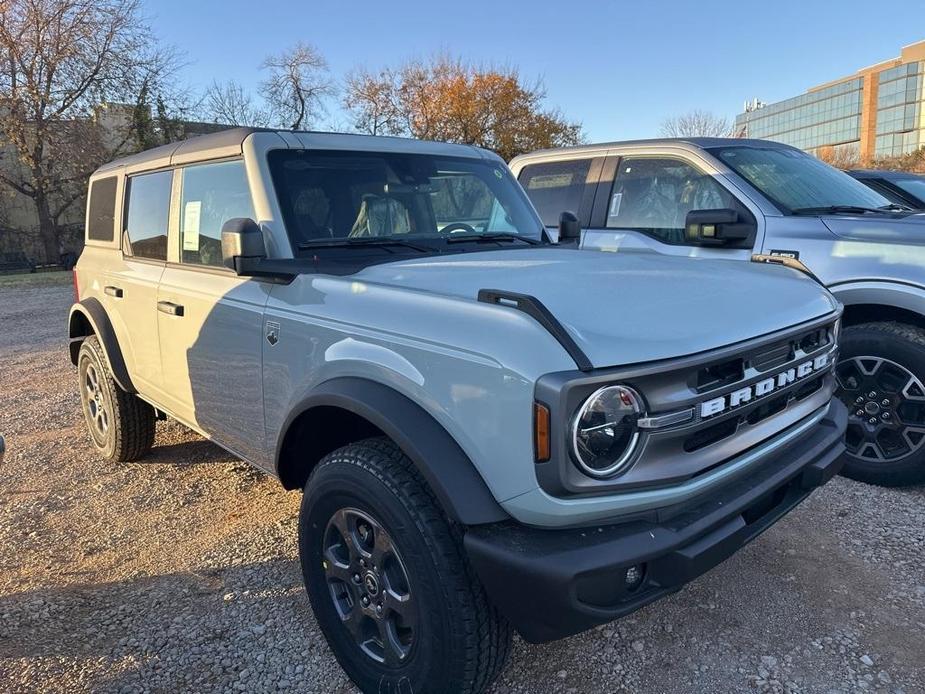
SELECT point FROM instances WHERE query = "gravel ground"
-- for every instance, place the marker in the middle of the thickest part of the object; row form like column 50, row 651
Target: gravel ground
column 180, row 573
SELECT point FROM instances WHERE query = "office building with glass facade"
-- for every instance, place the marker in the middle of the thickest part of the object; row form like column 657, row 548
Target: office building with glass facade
column 877, row 112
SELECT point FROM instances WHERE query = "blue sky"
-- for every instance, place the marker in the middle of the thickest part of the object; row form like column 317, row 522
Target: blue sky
column 618, row 67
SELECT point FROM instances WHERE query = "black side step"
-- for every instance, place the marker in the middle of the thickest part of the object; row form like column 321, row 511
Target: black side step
column 534, row 308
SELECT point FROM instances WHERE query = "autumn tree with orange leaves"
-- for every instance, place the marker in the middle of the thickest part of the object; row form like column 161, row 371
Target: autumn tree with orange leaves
column 452, row 101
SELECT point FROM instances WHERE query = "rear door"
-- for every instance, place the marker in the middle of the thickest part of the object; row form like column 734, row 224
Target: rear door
column 210, row 321
column 130, row 283
column 560, row 185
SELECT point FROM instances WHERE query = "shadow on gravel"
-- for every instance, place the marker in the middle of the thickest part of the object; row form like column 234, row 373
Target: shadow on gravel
column 188, row 453
column 153, row 616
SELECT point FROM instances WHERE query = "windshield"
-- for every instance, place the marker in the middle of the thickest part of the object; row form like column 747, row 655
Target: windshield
column 914, row 186
column 795, row 181
column 329, row 198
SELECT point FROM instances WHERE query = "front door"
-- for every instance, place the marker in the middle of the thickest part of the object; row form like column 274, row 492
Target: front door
column 210, row 321
column 643, row 200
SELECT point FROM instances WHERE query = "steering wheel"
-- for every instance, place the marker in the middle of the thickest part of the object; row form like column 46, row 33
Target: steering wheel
column 457, row 227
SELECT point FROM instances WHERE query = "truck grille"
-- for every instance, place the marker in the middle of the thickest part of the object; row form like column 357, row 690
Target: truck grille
column 704, row 410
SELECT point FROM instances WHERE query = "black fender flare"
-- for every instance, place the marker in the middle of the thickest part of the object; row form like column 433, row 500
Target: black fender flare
column 444, row 466
column 92, row 311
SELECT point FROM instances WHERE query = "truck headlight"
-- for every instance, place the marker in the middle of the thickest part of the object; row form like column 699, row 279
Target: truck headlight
column 604, row 432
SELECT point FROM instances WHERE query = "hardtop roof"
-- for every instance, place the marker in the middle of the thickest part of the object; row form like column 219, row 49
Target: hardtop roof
column 220, row 144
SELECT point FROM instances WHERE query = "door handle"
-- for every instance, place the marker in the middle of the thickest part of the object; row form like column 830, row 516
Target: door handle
column 113, row 291
column 170, row 308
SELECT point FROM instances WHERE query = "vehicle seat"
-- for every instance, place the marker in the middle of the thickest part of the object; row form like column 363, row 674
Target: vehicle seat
column 380, row 215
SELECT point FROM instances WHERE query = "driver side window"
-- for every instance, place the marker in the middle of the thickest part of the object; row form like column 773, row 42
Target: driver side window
column 653, row 195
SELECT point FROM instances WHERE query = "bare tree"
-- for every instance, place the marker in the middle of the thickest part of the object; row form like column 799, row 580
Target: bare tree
column 696, row 123
column 840, row 157
column 913, row 161
column 297, row 85
column 373, row 103
column 229, row 103
column 446, row 99
column 60, row 60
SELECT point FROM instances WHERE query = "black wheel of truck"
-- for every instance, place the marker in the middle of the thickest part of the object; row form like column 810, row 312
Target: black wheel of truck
column 881, row 378
column 388, row 579
column 121, row 424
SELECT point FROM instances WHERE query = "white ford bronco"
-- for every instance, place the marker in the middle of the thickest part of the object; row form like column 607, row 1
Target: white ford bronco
column 492, row 432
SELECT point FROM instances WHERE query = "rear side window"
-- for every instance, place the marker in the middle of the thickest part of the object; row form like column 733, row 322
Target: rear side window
column 147, row 220
column 212, row 194
column 556, row 186
column 654, row 195
column 101, row 209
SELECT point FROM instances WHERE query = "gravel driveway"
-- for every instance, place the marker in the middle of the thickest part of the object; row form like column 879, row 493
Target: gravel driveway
column 180, row 573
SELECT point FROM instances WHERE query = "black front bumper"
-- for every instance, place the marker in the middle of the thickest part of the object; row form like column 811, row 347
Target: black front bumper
column 554, row 583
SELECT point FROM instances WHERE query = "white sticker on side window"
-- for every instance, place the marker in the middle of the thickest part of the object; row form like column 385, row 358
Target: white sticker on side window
column 191, row 225
column 615, row 201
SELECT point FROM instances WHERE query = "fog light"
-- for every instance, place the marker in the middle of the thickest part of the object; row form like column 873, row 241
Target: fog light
column 633, row 576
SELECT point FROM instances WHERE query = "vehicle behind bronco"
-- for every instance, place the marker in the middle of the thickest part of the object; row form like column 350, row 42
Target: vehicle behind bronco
column 491, row 432
column 741, row 199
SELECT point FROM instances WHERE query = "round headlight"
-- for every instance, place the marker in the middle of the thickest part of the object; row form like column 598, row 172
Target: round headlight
column 604, row 433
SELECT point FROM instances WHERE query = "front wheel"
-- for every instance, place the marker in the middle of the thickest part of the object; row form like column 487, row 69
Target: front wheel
column 881, row 379
column 388, row 579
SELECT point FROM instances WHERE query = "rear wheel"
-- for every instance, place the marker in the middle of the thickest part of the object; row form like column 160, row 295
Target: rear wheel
column 881, row 378
column 121, row 424
column 388, row 579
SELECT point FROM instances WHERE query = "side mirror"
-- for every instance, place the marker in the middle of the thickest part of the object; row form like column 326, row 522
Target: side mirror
column 718, row 228
column 241, row 239
column 569, row 227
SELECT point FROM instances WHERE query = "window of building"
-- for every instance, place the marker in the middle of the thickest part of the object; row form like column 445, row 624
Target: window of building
column 555, row 187
column 212, row 194
column 148, row 213
column 101, row 209
column 654, row 195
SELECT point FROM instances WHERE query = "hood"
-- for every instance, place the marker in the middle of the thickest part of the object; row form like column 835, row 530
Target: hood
column 909, row 229
column 628, row 307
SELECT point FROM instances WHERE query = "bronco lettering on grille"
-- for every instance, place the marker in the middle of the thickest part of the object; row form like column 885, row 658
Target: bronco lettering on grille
column 764, row 387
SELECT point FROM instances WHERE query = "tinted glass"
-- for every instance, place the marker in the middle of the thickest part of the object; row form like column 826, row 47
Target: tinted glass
column 794, row 180
column 212, row 194
column 914, row 186
column 334, row 195
column 101, row 209
column 654, row 196
column 555, row 187
column 148, row 214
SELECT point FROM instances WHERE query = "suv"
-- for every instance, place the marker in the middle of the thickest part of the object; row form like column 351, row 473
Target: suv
column 906, row 189
column 741, row 199
column 491, row 431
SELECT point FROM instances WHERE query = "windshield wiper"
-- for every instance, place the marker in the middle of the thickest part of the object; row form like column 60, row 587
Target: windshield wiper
column 840, row 209
column 377, row 241
column 492, row 237
column 896, row 207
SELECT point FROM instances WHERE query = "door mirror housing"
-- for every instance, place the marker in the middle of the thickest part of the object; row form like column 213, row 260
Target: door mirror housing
column 569, row 226
column 242, row 241
column 724, row 227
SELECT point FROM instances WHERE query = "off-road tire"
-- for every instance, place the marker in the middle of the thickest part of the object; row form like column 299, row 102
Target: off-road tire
column 903, row 345
column 129, row 430
column 460, row 642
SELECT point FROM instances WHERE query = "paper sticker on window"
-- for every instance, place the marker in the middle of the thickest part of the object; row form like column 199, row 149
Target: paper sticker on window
column 191, row 225
column 615, row 201
column 560, row 180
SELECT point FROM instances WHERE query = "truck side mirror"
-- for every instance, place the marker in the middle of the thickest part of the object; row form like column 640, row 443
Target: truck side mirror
column 241, row 238
column 718, row 228
column 569, row 226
